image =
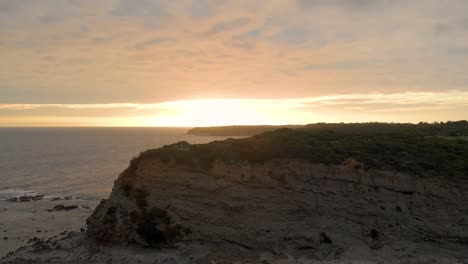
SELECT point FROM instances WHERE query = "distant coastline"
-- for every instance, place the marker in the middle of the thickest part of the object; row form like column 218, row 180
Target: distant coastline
column 238, row 131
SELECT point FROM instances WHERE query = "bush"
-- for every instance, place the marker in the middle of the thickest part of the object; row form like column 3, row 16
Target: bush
column 422, row 149
column 140, row 198
column 155, row 227
column 127, row 189
column 133, row 164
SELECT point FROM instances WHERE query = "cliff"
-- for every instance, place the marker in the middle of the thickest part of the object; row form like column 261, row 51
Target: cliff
column 284, row 195
column 323, row 193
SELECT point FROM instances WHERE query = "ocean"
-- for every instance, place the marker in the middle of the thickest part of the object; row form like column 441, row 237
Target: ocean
column 76, row 161
column 69, row 166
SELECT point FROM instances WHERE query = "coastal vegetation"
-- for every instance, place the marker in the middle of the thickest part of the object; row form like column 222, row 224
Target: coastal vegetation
column 426, row 149
column 232, row 131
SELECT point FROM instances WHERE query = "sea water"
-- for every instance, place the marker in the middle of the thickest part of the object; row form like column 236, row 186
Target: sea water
column 69, row 166
column 75, row 161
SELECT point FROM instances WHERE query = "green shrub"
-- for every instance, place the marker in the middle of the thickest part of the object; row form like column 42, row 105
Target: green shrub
column 127, row 189
column 148, row 230
column 154, row 226
column 422, row 149
column 133, row 164
column 140, row 198
column 110, row 217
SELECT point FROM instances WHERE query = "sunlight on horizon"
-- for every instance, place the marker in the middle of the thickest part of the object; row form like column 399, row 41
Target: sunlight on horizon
column 206, row 63
column 423, row 106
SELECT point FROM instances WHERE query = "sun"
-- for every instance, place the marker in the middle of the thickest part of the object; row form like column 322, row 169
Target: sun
column 219, row 112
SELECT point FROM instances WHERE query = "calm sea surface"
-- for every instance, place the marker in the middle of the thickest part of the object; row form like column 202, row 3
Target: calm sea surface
column 75, row 161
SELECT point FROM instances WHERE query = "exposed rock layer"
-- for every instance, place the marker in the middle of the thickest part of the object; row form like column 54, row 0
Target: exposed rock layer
column 285, row 207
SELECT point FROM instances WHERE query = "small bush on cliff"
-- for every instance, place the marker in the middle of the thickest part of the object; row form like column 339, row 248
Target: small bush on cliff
column 133, row 164
column 110, row 218
column 127, row 189
column 148, row 230
column 140, row 196
column 155, row 226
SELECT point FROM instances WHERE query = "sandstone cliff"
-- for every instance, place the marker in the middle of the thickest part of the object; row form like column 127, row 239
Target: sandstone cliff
column 324, row 193
column 286, row 207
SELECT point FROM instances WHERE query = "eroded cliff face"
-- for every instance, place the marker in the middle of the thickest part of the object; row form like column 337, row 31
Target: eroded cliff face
column 286, row 207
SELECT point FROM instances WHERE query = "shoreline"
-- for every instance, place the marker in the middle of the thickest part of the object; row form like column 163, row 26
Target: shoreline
column 38, row 216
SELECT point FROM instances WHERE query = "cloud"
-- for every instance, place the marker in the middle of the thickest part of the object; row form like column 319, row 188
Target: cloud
column 48, row 19
column 376, row 101
column 152, row 42
column 185, row 52
column 417, row 106
column 225, row 26
column 140, row 8
column 97, row 51
column 11, row 6
column 246, row 40
column 340, row 65
column 84, row 28
column 251, row 34
column 441, row 29
column 201, row 8
column 457, row 51
column 80, row 106
column 348, row 4
column 294, row 35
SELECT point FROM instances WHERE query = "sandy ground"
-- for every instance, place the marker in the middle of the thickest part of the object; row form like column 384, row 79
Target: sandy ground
column 22, row 221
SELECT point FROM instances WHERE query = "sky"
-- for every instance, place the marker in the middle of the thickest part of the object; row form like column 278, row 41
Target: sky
column 222, row 62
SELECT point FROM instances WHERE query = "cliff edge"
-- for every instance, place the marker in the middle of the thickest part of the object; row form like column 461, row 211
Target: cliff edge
column 299, row 195
column 323, row 193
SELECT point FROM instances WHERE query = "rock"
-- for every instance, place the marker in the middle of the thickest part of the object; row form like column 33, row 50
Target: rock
column 304, row 206
column 38, row 197
column 61, row 207
column 26, row 198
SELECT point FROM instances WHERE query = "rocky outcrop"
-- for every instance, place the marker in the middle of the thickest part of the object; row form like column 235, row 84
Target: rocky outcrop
column 26, row 198
column 286, row 207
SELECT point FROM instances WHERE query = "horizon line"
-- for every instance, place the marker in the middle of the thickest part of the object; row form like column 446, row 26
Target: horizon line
column 240, row 125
